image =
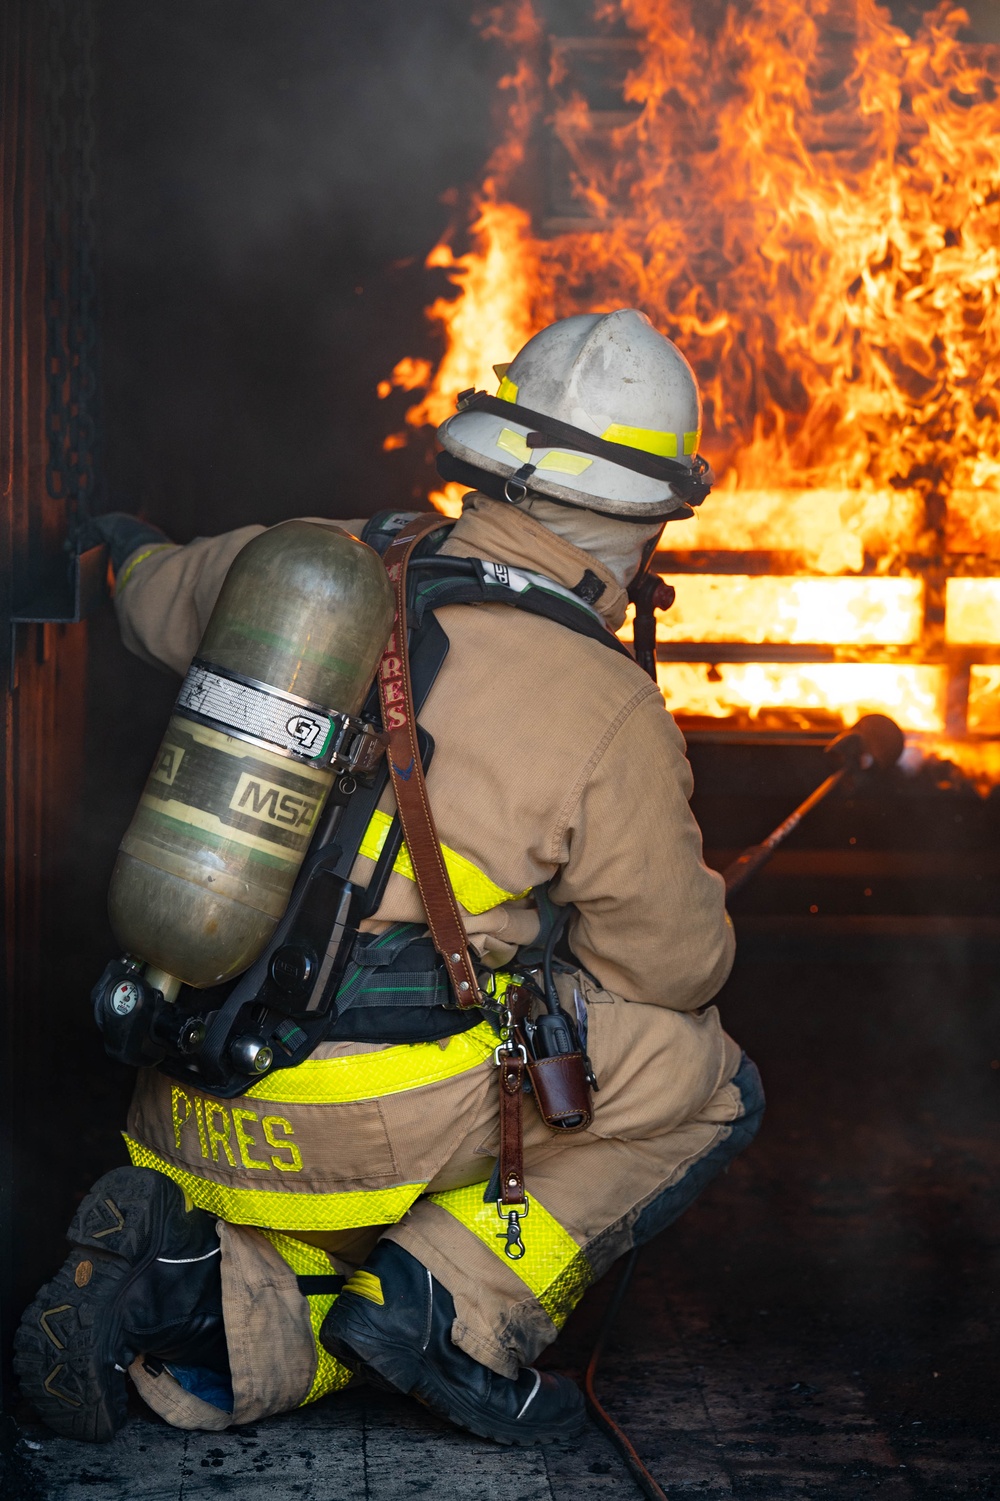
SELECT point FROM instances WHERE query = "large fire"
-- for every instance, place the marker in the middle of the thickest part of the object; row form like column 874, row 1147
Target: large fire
column 807, row 199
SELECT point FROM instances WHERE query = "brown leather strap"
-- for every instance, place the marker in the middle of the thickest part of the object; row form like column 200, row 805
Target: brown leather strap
column 511, row 1137
column 433, row 882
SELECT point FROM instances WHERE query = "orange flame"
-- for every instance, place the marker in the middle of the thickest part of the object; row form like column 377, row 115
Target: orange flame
column 808, row 201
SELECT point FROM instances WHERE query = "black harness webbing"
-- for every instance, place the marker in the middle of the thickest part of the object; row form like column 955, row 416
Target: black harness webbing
column 387, row 987
column 440, row 581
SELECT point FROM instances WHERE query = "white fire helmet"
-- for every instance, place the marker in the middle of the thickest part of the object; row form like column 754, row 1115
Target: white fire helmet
column 598, row 411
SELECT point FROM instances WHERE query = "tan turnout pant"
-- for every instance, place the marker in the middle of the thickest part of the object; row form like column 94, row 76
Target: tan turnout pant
column 653, row 1144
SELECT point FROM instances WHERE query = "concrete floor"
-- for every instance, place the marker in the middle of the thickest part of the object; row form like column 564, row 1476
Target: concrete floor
column 822, row 1324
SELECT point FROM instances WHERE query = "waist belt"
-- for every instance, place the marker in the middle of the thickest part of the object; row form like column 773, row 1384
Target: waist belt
column 395, row 989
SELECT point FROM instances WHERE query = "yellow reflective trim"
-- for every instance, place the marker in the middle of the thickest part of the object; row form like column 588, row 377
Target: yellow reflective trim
column 691, row 441
column 553, row 1265
column 556, row 462
column 476, row 892
column 367, row 1076
column 310, row 1261
column 514, row 444
column 565, row 463
column 646, row 438
column 366, row 1285
column 133, row 564
column 277, row 1209
column 508, row 389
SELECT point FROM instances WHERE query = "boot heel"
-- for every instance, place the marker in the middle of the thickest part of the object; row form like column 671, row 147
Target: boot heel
column 117, row 1215
column 391, row 1370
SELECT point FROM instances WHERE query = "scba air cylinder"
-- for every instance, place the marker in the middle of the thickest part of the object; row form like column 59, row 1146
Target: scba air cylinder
column 206, row 867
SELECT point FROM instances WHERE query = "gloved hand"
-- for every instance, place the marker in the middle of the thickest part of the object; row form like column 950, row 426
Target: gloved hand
column 123, row 534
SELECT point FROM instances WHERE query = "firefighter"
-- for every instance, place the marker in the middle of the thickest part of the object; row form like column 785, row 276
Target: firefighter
column 334, row 1220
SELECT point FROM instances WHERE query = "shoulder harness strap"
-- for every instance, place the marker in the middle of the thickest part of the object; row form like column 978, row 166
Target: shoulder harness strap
column 437, row 581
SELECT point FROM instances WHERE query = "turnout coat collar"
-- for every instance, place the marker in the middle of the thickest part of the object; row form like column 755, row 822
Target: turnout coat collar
column 502, row 534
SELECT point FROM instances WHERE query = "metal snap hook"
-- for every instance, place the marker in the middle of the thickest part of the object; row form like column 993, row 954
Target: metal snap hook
column 514, row 1247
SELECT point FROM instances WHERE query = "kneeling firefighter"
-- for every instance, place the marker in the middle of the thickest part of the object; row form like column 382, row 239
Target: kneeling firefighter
column 418, row 975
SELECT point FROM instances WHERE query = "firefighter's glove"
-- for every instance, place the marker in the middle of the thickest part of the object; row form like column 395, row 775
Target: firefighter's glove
column 121, row 533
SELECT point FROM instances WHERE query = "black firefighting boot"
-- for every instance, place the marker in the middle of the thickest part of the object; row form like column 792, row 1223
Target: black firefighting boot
column 143, row 1278
column 392, row 1323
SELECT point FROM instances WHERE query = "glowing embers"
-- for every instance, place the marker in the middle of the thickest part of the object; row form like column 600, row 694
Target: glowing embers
column 973, row 612
column 828, row 611
column 984, row 700
column 976, row 761
column 828, row 530
column 765, row 694
column 974, row 515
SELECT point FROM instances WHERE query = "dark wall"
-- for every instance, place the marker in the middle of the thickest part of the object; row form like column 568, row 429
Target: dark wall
column 272, row 180
column 42, row 665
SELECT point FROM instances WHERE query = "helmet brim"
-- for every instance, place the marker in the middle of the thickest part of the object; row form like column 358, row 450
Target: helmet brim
column 599, row 485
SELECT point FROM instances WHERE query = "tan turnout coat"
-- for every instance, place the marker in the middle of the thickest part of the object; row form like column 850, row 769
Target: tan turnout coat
column 555, row 761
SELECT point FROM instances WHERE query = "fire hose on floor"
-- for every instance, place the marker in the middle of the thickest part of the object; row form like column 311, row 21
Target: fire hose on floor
column 875, row 741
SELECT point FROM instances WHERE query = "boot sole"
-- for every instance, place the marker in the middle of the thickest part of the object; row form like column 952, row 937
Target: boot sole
column 401, row 1369
column 64, row 1347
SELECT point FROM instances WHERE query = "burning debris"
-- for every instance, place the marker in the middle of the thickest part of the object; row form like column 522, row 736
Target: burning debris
column 807, row 199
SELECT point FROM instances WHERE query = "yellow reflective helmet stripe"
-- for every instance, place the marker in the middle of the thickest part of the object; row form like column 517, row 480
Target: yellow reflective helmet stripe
column 507, row 390
column 514, row 444
column 277, row 1209
column 553, row 1265
column 556, row 461
column 646, row 438
column 306, row 1261
column 365, row 1076
column 564, row 463
column 133, row 564
column 650, row 440
column 473, row 888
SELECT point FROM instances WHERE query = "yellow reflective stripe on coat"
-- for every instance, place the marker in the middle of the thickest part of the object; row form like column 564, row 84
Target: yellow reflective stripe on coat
column 310, row 1261
column 271, row 1209
column 367, row 1076
column 473, row 888
column 133, row 564
column 553, row 1265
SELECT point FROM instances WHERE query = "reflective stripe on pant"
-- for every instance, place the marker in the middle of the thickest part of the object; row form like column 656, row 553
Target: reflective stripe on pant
column 309, row 1262
column 507, row 1311
column 553, row 1265
column 272, row 1318
column 673, row 1107
column 315, row 1147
